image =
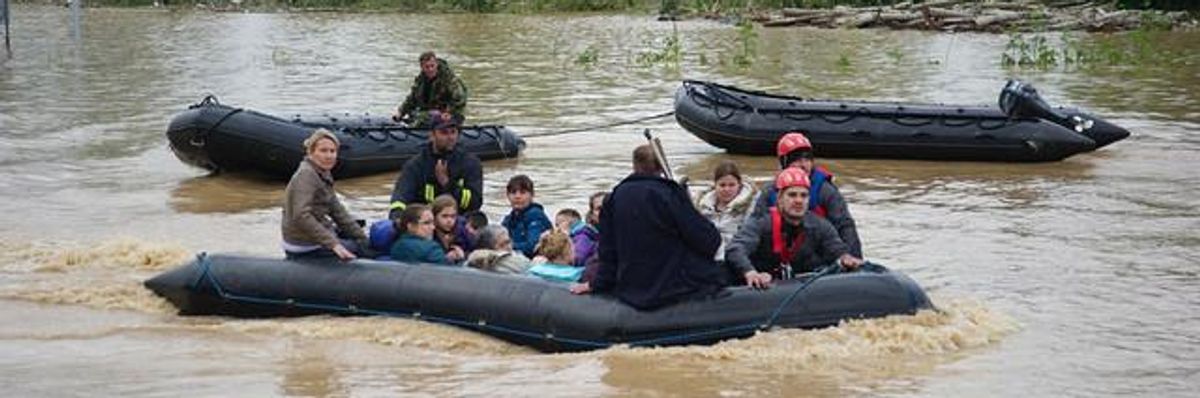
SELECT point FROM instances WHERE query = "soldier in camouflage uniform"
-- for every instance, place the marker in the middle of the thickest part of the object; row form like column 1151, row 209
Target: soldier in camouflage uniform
column 435, row 88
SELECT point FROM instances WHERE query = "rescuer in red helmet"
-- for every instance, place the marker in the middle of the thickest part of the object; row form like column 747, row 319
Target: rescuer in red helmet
column 795, row 151
column 789, row 240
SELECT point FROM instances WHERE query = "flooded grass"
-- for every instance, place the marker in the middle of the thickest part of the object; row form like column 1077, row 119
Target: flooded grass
column 1040, row 50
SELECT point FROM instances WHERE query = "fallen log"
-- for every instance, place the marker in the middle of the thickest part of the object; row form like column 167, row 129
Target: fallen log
column 1007, row 6
column 863, row 19
column 803, row 12
column 775, row 23
column 1002, row 17
column 946, row 13
column 891, row 17
column 945, row 3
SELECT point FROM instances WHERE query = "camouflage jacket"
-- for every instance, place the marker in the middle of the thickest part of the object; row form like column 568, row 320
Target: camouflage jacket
column 446, row 92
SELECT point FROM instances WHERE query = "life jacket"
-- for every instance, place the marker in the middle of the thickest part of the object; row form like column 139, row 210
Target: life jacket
column 786, row 252
column 817, row 179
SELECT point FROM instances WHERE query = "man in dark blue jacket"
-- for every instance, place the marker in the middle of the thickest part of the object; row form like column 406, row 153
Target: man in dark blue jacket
column 441, row 168
column 655, row 248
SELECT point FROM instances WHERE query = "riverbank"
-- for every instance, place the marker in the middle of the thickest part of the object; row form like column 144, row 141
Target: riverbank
column 993, row 17
column 937, row 15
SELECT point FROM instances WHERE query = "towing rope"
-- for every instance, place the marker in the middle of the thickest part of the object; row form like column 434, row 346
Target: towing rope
column 599, row 127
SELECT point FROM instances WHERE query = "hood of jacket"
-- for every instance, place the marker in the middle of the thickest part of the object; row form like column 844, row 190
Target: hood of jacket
column 741, row 203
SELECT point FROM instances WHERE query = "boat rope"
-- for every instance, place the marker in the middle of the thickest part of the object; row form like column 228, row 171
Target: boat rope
column 719, row 96
column 716, row 102
column 206, row 274
column 600, row 127
column 199, row 140
column 770, row 321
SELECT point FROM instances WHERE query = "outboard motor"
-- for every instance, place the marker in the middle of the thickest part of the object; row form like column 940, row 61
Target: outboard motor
column 1020, row 100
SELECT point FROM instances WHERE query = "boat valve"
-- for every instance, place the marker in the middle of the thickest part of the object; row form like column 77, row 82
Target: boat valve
column 1082, row 124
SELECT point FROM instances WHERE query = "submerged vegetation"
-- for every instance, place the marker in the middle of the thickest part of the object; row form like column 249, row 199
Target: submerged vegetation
column 1040, row 50
column 668, row 51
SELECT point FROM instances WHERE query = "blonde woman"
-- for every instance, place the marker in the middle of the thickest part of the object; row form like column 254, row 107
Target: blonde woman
column 315, row 224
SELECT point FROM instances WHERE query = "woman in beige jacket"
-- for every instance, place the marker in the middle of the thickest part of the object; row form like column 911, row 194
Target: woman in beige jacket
column 315, row 224
column 727, row 202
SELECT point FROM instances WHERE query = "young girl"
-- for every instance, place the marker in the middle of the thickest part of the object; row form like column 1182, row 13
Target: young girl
column 450, row 230
column 415, row 244
column 555, row 246
column 727, row 202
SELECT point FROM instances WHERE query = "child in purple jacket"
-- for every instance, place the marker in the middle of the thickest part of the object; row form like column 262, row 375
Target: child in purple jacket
column 583, row 235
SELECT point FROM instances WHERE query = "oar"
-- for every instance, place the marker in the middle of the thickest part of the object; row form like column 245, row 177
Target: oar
column 656, row 146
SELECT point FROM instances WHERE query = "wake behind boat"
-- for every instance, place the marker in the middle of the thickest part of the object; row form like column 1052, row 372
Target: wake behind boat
column 1024, row 128
column 218, row 137
column 524, row 309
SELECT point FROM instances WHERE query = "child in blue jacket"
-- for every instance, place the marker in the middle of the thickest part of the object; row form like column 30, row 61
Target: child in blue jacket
column 527, row 220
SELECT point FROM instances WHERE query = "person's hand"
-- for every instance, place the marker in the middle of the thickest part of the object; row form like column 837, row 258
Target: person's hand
column 441, row 172
column 581, row 288
column 539, row 260
column 757, row 280
column 455, row 254
column 850, row 262
column 343, row 253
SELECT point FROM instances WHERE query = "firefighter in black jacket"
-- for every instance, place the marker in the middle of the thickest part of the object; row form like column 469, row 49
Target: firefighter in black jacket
column 441, row 168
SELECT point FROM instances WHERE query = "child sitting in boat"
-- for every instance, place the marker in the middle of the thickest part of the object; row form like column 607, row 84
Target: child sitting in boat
column 595, row 203
column 583, row 236
column 555, row 246
column 727, row 202
column 494, row 252
column 415, row 244
column 450, row 230
column 592, row 262
column 476, row 220
column 527, row 220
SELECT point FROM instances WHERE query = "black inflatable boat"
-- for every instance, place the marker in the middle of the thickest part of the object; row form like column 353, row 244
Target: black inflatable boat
column 1022, row 129
column 522, row 309
column 223, row 138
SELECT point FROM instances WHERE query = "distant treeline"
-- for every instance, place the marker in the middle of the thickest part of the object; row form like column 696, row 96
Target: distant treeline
column 527, row 6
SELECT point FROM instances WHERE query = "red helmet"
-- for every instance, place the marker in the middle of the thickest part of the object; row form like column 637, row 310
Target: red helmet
column 791, row 177
column 792, row 141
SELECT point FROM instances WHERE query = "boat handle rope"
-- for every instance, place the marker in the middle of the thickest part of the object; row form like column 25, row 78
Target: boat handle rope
column 202, row 139
column 210, row 99
column 897, row 117
column 728, row 331
column 717, row 103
